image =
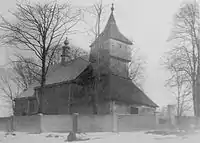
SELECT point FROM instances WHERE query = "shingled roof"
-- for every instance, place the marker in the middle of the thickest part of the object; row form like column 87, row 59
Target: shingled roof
column 125, row 90
column 62, row 73
column 59, row 73
column 111, row 31
column 121, row 89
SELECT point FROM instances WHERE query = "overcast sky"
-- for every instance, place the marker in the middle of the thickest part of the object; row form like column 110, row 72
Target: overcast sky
column 147, row 23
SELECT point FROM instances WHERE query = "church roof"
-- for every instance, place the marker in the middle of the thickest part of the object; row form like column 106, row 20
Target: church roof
column 111, row 31
column 125, row 90
column 29, row 92
column 59, row 73
column 121, row 89
column 68, row 72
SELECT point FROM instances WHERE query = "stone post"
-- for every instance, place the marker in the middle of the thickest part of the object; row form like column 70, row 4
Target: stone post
column 41, row 124
column 72, row 134
column 114, row 117
column 115, row 120
column 171, row 116
column 75, row 123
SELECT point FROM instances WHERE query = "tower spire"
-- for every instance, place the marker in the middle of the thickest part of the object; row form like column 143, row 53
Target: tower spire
column 112, row 8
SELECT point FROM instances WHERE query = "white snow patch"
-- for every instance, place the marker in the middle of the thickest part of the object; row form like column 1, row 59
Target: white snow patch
column 138, row 137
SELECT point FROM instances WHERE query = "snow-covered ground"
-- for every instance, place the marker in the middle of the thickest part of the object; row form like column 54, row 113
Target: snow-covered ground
column 138, row 137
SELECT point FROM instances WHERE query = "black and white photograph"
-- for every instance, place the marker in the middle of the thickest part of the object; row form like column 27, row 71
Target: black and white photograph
column 99, row 71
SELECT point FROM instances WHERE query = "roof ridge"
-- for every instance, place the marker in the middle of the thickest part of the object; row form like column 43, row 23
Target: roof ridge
column 121, row 76
column 81, row 57
column 83, row 68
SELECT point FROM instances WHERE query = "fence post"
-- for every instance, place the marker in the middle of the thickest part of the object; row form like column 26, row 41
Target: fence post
column 75, row 123
column 114, row 116
column 8, row 124
column 157, row 121
column 41, row 123
column 197, row 122
column 12, row 128
column 72, row 134
column 115, row 122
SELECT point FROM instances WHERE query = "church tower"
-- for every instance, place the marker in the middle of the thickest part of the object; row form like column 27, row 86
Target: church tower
column 111, row 50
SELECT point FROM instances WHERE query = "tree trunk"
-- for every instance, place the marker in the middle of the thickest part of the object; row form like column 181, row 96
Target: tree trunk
column 197, row 95
column 198, row 80
column 43, row 80
column 194, row 97
column 94, row 101
column 12, row 124
column 69, row 99
column 178, row 101
column 197, row 83
column 94, row 98
column 12, row 118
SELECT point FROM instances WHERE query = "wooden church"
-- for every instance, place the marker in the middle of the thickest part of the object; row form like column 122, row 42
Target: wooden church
column 101, row 82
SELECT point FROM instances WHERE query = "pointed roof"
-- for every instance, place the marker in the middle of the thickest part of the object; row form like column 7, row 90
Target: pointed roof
column 111, row 31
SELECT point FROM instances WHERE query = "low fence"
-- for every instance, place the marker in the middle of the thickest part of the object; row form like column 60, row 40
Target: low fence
column 56, row 123
column 95, row 123
column 188, row 122
column 184, row 122
column 136, row 122
column 29, row 124
column 84, row 123
column 5, row 124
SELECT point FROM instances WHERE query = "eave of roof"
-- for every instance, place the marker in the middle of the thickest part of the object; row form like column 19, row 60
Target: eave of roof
column 59, row 74
column 67, row 72
column 125, row 90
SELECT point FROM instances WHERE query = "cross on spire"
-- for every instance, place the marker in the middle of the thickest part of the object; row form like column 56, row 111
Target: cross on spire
column 112, row 8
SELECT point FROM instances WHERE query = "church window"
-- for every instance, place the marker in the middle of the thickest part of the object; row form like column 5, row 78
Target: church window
column 134, row 110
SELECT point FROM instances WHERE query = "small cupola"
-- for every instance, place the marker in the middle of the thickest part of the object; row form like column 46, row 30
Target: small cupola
column 65, row 50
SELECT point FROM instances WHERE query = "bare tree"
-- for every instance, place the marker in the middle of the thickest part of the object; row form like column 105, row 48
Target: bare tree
column 9, row 89
column 26, row 71
column 180, row 86
column 137, row 69
column 73, row 53
column 185, row 33
column 96, row 11
column 39, row 28
column 10, row 92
